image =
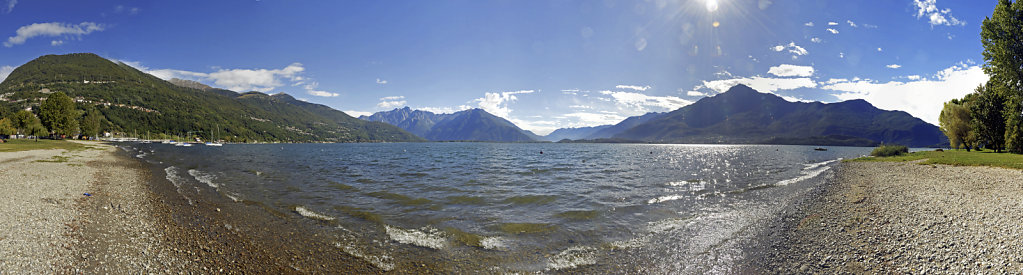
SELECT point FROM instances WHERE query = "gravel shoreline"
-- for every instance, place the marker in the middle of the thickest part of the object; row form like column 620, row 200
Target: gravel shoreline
column 133, row 221
column 884, row 217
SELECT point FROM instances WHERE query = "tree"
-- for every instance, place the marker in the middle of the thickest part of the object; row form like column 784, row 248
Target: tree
column 58, row 114
column 91, row 123
column 22, row 119
column 36, row 128
column 1003, row 55
column 955, row 123
column 7, row 127
column 988, row 121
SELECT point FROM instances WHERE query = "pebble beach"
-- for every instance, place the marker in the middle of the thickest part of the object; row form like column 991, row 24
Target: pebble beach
column 885, row 217
column 99, row 211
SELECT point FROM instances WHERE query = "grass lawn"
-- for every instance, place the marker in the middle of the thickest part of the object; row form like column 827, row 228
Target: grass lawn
column 15, row 145
column 958, row 158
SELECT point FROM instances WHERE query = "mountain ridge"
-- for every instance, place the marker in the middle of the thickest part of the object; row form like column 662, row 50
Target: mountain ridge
column 467, row 125
column 130, row 100
column 743, row 115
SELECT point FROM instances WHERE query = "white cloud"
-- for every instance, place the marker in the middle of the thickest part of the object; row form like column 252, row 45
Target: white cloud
column 167, row 74
column 851, row 24
column 633, row 87
column 920, row 98
column 696, row 93
column 835, row 80
column 935, row 16
column 311, row 89
column 832, row 31
column 913, row 77
column 539, row 127
column 10, row 5
column 574, row 92
column 52, row 29
column 879, row 49
column 815, row 40
column 580, row 106
column 243, row 80
column 388, row 102
column 322, row 93
column 808, row 24
column 765, row 84
column 5, row 71
column 56, row 42
column 497, row 103
column 445, row 110
column 791, row 70
column 640, row 44
column 762, row 84
column 240, row 80
column 832, row 23
column 358, row 113
column 586, row 119
column 792, row 48
column 121, row 8
column 893, row 66
column 262, row 80
column 641, row 102
column 381, row 82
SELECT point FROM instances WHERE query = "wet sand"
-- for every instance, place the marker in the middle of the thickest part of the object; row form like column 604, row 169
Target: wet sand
column 135, row 222
column 902, row 218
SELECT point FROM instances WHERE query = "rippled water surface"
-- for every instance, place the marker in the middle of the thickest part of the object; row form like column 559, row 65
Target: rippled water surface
column 515, row 207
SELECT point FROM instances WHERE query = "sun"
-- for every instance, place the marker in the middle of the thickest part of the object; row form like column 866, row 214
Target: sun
column 712, row 5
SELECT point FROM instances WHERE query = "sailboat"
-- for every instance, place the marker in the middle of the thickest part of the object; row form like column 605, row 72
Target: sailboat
column 212, row 141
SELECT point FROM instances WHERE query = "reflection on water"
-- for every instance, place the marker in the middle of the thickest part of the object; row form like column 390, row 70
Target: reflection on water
column 506, row 207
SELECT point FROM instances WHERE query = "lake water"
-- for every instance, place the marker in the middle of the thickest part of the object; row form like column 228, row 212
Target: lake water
column 494, row 208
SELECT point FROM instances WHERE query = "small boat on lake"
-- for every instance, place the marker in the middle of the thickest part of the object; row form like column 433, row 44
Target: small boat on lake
column 820, row 149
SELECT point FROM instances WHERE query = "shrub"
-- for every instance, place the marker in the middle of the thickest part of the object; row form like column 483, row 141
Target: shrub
column 889, row 150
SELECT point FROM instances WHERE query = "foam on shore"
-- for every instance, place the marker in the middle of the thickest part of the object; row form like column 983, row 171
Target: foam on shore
column 494, row 243
column 204, row 177
column 313, row 215
column 665, row 198
column 809, row 172
column 174, row 176
column 426, row 237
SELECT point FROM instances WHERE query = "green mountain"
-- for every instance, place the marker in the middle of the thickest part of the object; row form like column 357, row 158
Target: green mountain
column 743, row 115
column 468, row 125
column 135, row 102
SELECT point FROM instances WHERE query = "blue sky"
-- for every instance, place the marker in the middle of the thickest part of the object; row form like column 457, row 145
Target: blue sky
column 541, row 64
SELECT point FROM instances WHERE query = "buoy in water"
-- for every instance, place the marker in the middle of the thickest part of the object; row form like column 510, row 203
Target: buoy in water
column 541, row 152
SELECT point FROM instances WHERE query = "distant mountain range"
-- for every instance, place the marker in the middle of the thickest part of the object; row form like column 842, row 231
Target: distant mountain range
column 740, row 116
column 131, row 101
column 743, row 115
column 468, row 125
column 599, row 132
